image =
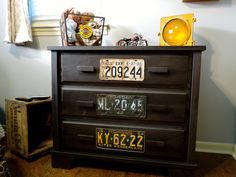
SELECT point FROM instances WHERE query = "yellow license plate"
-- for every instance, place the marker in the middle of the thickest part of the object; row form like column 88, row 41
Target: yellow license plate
column 121, row 69
column 123, row 140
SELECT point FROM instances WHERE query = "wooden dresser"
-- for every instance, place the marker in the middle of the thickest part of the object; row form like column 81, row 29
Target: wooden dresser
column 135, row 105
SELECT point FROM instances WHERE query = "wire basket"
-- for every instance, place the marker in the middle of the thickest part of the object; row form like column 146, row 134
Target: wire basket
column 81, row 30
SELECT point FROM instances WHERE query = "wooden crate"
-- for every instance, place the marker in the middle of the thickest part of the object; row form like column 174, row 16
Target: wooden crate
column 29, row 127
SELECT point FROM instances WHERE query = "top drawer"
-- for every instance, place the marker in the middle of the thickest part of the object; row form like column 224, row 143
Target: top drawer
column 167, row 71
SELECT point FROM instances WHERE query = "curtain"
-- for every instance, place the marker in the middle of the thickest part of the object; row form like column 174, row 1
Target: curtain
column 18, row 27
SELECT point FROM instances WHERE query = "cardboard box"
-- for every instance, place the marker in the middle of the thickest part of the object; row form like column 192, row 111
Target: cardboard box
column 29, row 127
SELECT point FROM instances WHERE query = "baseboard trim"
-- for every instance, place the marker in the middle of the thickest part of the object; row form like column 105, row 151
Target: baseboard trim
column 234, row 153
column 219, row 148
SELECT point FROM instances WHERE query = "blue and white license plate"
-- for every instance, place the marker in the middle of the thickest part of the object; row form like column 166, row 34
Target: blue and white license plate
column 121, row 69
column 121, row 105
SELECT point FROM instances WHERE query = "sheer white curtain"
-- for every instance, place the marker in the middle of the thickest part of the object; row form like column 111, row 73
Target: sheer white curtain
column 18, row 28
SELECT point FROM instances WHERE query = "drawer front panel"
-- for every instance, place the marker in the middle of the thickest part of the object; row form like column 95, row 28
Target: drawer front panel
column 126, row 104
column 159, row 141
column 159, row 70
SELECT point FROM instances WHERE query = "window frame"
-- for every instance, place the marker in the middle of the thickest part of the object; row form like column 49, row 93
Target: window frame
column 45, row 27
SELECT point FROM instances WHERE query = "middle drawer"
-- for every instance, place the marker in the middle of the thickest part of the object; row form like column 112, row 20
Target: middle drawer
column 124, row 103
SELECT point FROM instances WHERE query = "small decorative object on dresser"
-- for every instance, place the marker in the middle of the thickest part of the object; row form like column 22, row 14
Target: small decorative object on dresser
column 135, row 40
column 177, row 30
column 81, row 29
column 135, row 105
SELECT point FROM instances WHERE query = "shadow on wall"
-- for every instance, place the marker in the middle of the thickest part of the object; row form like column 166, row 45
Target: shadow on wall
column 42, row 42
column 34, row 50
column 118, row 32
column 217, row 111
column 2, row 117
column 235, row 133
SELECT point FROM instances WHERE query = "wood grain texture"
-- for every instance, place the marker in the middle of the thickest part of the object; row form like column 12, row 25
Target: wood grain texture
column 19, row 167
column 171, row 82
column 29, row 126
column 209, row 165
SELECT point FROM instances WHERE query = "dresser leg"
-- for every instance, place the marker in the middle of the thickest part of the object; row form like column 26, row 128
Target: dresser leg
column 173, row 172
column 62, row 162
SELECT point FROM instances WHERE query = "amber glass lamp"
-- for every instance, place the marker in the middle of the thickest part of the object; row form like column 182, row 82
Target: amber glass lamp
column 177, row 30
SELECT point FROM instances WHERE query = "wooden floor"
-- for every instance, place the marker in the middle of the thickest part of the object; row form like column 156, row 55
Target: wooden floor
column 209, row 165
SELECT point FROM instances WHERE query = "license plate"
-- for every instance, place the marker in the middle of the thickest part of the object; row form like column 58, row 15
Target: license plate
column 117, row 139
column 121, row 69
column 121, row 105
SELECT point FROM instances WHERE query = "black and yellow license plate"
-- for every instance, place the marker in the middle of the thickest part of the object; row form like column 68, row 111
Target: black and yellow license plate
column 123, row 140
column 121, row 69
column 121, row 105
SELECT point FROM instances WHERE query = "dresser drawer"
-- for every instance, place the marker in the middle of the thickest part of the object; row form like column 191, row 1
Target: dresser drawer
column 145, row 105
column 172, row 71
column 132, row 105
column 156, row 142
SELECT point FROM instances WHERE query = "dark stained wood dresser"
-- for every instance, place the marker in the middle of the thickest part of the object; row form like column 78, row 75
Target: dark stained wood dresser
column 136, row 105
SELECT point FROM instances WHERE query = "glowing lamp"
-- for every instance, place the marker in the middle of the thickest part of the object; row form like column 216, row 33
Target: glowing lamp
column 177, row 30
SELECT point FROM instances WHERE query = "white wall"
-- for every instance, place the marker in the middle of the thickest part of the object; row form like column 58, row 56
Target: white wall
column 26, row 70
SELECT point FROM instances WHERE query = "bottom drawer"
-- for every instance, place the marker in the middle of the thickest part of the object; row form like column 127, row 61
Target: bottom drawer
column 161, row 141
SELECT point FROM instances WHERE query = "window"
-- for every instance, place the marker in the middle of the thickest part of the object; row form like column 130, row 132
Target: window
column 45, row 14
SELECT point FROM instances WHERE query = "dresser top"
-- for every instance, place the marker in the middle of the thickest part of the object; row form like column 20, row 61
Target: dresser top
column 125, row 48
